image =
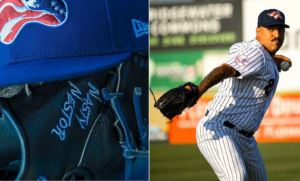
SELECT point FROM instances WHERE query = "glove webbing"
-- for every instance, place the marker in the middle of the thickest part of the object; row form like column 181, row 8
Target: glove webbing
column 129, row 146
column 142, row 128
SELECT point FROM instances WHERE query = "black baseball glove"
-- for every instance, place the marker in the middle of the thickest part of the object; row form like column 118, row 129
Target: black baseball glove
column 91, row 127
column 173, row 102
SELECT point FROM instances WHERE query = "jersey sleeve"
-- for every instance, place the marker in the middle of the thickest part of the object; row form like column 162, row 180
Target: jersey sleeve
column 248, row 61
column 234, row 49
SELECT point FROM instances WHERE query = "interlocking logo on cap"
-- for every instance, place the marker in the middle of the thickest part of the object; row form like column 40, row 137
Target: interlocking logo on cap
column 15, row 14
column 275, row 14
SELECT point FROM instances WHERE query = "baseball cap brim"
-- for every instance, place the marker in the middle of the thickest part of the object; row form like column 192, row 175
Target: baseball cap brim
column 276, row 23
column 58, row 69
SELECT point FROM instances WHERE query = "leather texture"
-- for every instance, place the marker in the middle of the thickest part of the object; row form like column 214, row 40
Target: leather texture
column 71, row 132
column 175, row 101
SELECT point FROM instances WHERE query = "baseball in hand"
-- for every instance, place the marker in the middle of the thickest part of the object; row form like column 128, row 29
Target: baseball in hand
column 284, row 66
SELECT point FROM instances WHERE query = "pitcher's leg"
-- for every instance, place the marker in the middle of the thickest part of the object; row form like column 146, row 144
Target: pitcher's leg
column 255, row 165
column 224, row 157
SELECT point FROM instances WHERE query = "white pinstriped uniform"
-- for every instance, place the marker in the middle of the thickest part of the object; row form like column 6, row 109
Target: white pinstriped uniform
column 243, row 102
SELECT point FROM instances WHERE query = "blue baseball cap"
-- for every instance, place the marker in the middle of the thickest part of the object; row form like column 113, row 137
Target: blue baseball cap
column 48, row 40
column 271, row 17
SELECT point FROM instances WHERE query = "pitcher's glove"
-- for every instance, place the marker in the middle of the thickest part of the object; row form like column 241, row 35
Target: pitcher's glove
column 173, row 102
column 93, row 127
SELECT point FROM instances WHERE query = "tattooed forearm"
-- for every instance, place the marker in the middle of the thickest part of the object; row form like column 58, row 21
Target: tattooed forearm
column 214, row 77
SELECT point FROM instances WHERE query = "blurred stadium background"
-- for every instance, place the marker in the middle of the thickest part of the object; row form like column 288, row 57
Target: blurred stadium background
column 188, row 38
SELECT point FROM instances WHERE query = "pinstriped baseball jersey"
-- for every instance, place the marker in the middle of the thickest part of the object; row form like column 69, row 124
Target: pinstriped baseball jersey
column 244, row 100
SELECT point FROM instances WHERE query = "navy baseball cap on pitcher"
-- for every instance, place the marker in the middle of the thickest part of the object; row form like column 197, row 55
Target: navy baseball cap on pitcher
column 271, row 17
column 47, row 40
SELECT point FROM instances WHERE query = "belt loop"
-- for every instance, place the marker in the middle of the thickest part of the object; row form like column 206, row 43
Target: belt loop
column 206, row 112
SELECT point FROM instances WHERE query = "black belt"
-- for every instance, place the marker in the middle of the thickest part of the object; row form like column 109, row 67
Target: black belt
column 230, row 125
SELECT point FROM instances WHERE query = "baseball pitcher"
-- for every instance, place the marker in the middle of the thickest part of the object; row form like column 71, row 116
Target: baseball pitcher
column 248, row 81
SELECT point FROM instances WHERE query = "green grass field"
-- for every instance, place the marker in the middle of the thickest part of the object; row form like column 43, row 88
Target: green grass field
column 185, row 162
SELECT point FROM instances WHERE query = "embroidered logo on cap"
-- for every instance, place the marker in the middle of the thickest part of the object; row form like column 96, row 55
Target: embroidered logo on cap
column 15, row 14
column 275, row 14
column 140, row 28
column 241, row 60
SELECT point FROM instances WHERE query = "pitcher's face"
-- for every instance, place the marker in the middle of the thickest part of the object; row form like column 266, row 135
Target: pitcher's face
column 272, row 37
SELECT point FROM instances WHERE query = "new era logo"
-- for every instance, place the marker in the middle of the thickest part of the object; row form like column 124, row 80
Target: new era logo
column 140, row 28
column 275, row 14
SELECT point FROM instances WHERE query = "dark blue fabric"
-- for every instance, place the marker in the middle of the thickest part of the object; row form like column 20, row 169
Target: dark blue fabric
column 4, row 57
column 92, row 28
column 122, row 29
column 140, row 170
column 58, row 69
column 85, row 33
column 265, row 19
